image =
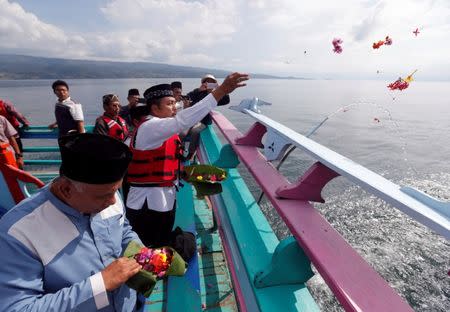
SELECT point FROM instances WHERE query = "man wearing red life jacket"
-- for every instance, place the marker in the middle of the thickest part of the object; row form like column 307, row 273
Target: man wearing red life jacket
column 15, row 118
column 110, row 123
column 155, row 147
column 9, row 149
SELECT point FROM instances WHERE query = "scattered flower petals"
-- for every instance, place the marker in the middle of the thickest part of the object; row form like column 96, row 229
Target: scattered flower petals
column 337, row 48
column 377, row 45
column 402, row 83
column 386, row 41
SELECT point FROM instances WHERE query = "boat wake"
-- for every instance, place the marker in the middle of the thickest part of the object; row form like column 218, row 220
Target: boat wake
column 409, row 256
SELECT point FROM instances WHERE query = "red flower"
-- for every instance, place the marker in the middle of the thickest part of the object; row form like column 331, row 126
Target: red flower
column 156, row 260
column 388, row 41
column 337, row 45
column 399, row 84
column 377, row 45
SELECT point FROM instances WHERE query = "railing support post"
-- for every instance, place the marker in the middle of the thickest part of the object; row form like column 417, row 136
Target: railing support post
column 289, row 265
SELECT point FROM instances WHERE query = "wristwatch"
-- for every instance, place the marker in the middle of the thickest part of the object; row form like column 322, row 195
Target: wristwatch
column 19, row 155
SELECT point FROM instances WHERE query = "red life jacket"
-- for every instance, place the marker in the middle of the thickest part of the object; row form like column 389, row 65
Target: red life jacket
column 7, row 154
column 12, row 120
column 116, row 129
column 156, row 167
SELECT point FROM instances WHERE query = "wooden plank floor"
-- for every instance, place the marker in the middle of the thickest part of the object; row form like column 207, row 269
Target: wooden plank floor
column 215, row 282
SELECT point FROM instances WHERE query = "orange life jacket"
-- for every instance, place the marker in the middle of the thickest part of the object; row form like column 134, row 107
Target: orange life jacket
column 7, row 154
column 158, row 167
column 12, row 120
column 116, row 129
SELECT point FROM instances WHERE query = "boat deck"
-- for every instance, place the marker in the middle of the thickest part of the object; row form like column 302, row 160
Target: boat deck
column 216, row 289
column 208, row 273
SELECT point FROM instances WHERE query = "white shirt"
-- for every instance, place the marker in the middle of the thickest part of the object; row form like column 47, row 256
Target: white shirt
column 76, row 110
column 151, row 135
column 6, row 130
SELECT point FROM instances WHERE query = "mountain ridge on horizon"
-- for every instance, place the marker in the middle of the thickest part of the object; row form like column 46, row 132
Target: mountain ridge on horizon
column 15, row 67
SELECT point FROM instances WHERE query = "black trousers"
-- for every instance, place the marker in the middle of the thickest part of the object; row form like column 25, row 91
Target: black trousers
column 152, row 227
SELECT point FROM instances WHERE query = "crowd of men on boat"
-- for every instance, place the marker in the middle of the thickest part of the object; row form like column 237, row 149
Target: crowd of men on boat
column 62, row 247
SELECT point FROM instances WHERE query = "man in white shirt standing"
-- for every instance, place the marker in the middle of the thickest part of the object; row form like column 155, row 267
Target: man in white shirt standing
column 154, row 166
column 69, row 115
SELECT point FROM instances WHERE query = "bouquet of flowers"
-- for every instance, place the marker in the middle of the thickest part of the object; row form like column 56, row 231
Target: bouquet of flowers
column 156, row 263
column 205, row 178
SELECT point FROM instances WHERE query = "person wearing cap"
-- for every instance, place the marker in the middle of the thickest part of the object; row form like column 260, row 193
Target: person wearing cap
column 208, row 83
column 181, row 100
column 110, row 123
column 192, row 137
column 138, row 114
column 151, row 200
column 62, row 248
column 133, row 99
column 69, row 114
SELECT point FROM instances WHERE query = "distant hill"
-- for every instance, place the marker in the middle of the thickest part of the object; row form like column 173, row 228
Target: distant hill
column 30, row 67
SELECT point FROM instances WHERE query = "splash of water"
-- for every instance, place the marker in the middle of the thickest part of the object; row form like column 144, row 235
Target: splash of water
column 384, row 110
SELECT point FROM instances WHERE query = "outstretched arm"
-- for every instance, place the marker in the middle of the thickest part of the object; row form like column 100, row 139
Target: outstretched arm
column 53, row 125
column 14, row 112
column 149, row 138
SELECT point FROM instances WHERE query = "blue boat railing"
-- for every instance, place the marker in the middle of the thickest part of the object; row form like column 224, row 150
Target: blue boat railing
column 423, row 208
column 264, row 269
column 42, row 132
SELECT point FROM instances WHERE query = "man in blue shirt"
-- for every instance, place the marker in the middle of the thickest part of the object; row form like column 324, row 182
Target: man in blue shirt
column 62, row 248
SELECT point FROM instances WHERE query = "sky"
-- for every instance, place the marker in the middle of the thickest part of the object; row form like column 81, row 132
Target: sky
column 283, row 37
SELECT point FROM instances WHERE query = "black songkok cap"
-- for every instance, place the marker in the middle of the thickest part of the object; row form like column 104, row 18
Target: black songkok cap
column 176, row 84
column 139, row 110
column 93, row 158
column 133, row 92
column 158, row 91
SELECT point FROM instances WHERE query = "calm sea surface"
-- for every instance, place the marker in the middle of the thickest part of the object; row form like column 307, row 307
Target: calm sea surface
column 404, row 136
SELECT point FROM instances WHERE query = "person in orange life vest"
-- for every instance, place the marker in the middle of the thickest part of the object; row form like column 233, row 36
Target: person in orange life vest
column 15, row 118
column 68, row 114
column 9, row 149
column 151, row 200
column 138, row 113
column 110, row 123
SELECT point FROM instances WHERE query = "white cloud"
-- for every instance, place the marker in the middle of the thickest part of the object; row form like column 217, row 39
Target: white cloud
column 256, row 35
column 22, row 30
column 177, row 31
column 294, row 26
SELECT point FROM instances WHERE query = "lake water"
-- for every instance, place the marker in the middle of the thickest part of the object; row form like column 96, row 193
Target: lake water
column 404, row 136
